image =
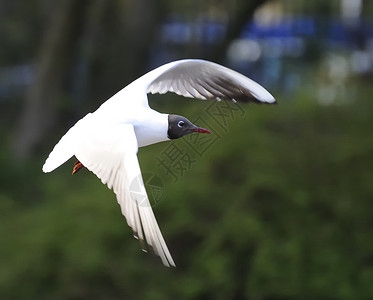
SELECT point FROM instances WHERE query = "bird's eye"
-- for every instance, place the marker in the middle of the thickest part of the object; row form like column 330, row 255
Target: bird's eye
column 181, row 124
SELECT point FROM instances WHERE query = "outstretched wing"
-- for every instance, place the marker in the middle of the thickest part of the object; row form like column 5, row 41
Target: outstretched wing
column 193, row 78
column 202, row 79
column 111, row 154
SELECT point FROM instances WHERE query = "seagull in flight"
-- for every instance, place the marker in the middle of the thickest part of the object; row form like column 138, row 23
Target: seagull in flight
column 106, row 141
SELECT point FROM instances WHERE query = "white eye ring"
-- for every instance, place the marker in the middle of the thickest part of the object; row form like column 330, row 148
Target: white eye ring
column 181, row 124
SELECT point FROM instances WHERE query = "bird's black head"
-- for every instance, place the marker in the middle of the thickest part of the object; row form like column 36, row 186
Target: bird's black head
column 179, row 126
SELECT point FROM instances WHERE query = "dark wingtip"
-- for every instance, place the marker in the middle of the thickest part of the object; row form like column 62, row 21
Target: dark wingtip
column 271, row 103
column 257, row 101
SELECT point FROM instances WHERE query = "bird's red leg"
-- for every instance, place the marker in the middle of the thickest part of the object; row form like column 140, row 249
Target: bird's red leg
column 78, row 165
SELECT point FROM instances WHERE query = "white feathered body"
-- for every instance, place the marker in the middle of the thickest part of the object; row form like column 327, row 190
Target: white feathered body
column 106, row 141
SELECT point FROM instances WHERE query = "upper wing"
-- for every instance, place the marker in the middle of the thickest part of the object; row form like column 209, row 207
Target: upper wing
column 192, row 78
column 203, row 79
column 111, row 154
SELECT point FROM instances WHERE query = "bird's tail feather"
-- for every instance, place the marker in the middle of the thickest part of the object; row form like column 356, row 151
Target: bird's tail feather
column 65, row 148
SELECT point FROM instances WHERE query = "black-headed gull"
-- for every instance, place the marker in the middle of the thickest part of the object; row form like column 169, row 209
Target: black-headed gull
column 106, row 141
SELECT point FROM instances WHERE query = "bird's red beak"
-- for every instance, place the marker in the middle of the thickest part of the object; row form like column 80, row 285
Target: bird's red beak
column 201, row 130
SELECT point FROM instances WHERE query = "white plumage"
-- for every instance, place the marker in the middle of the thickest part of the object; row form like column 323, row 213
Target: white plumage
column 106, row 141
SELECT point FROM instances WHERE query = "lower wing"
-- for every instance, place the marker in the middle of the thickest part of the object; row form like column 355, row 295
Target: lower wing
column 111, row 154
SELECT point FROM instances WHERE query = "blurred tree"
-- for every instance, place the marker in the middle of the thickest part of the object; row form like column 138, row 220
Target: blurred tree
column 39, row 111
column 239, row 18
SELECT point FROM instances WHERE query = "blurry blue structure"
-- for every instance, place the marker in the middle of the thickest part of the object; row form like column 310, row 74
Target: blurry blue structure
column 260, row 51
column 263, row 51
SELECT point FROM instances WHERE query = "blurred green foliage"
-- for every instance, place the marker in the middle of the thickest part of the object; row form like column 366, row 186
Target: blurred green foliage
column 280, row 207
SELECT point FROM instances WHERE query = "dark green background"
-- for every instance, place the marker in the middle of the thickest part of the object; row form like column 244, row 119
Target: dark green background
column 279, row 206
